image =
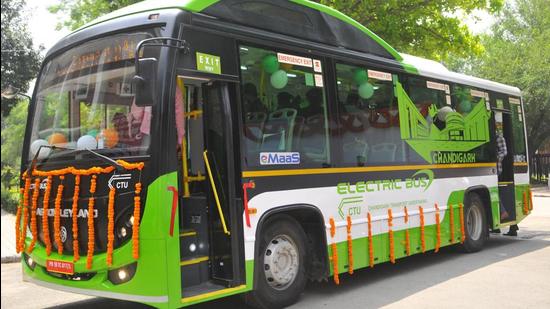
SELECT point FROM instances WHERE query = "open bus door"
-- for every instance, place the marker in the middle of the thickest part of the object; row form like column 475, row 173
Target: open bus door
column 506, row 188
column 211, row 248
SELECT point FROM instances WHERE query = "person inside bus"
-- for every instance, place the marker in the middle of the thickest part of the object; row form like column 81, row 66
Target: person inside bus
column 502, row 152
column 251, row 101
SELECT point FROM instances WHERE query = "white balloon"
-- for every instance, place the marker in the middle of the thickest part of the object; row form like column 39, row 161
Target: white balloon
column 36, row 145
column 86, row 142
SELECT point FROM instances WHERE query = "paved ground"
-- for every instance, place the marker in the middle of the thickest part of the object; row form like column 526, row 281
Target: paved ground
column 8, row 237
column 508, row 273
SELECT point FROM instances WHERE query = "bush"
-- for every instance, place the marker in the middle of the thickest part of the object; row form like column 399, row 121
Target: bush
column 10, row 199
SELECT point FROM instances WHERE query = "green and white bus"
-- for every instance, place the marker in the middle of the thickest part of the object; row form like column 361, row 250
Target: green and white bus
column 182, row 151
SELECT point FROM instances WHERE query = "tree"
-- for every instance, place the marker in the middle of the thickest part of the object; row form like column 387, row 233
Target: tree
column 80, row 12
column 518, row 53
column 426, row 28
column 20, row 61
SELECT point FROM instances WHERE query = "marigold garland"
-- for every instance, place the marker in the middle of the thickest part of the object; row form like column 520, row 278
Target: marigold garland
column 437, row 229
column 422, row 236
column 135, row 229
column 350, row 247
column 25, row 214
column 76, row 248
column 111, row 226
column 18, row 221
column 452, row 223
column 525, row 206
column 45, row 222
column 334, row 252
column 463, row 234
column 390, row 233
column 34, row 227
column 91, row 232
column 407, row 235
column 57, row 216
column 371, row 247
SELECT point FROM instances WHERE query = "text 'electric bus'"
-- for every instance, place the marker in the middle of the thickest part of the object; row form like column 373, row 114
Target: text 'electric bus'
column 182, row 151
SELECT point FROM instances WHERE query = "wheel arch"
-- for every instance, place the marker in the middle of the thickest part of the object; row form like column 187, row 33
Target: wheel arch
column 311, row 219
column 483, row 193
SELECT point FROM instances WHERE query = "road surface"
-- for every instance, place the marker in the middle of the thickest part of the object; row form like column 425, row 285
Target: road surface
column 508, row 273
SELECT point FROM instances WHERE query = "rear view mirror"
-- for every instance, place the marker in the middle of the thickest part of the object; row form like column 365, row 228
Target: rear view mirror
column 145, row 82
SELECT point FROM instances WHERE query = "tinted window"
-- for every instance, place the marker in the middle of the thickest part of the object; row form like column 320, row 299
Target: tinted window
column 517, row 131
column 284, row 109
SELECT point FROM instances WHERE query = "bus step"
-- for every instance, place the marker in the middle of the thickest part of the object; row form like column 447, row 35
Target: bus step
column 194, row 271
column 199, row 289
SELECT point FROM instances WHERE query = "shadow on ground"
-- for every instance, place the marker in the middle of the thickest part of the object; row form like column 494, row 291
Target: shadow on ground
column 412, row 275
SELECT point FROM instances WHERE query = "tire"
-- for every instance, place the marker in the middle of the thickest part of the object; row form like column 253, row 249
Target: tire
column 283, row 240
column 475, row 221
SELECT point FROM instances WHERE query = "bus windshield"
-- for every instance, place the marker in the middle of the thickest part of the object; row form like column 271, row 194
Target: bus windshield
column 85, row 100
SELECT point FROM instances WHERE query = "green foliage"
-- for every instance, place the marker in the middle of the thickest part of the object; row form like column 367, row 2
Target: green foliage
column 426, row 28
column 518, row 53
column 80, row 12
column 20, row 61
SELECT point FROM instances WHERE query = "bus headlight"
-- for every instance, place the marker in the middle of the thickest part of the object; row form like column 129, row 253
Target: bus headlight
column 124, row 225
column 29, row 261
column 123, row 274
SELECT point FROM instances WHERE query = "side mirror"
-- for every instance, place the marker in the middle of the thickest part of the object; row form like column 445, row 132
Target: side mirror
column 145, row 82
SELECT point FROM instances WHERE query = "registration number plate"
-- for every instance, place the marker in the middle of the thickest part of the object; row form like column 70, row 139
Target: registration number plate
column 61, row 267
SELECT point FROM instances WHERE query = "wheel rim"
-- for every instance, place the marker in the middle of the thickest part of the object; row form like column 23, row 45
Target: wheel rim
column 474, row 222
column 281, row 262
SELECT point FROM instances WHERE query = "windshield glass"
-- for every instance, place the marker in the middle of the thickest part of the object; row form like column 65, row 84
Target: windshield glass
column 85, row 99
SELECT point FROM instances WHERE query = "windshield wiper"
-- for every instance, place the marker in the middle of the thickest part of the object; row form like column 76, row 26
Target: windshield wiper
column 119, row 168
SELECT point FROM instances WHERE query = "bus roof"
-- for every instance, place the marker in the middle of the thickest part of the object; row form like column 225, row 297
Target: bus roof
column 434, row 69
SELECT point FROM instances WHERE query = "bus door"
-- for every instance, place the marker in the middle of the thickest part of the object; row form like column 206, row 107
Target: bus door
column 211, row 246
column 503, row 127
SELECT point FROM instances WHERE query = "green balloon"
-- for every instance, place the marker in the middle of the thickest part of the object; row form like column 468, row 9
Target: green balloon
column 270, row 64
column 465, row 106
column 360, row 76
column 366, row 90
column 279, row 79
column 93, row 132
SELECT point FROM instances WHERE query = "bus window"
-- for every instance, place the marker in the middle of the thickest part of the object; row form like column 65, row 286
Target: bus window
column 465, row 99
column 369, row 117
column 284, row 109
column 520, row 153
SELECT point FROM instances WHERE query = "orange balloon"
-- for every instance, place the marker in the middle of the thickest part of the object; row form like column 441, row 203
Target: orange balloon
column 111, row 137
column 57, row 139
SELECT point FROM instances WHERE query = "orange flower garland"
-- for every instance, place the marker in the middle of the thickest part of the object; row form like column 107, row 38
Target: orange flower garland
column 525, row 206
column 334, row 252
column 463, row 235
column 25, row 214
column 18, row 221
column 91, row 232
column 452, row 223
column 34, row 227
column 422, row 236
column 390, row 233
column 371, row 247
column 350, row 247
column 111, row 226
column 438, row 229
column 45, row 223
column 407, row 236
column 135, row 229
column 57, row 216
column 76, row 248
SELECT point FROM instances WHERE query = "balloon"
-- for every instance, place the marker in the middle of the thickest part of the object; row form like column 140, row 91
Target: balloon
column 92, row 132
column 279, row 79
column 110, row 137
column 286, row 66
column 360, row 76
column 36, row 145
column 86, row 142
column 57, row 139
column 442, row 112
column 366, row 90
column 270, row 64
column 465, row 106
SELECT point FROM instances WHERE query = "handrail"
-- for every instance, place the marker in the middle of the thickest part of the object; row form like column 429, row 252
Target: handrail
column 205, row 155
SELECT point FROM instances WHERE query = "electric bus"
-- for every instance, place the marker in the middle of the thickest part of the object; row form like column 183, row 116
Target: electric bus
column 182, row 151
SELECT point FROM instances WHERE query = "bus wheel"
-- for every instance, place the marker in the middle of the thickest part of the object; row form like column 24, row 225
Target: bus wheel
column 280, row 265
column 475, row 224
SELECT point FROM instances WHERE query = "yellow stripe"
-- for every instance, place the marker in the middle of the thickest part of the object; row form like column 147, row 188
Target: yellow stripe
column 342, row 170
column 194, row 261
column 520, row 163
column 215, row 190
column 212, row 294
column 184, row 234
column 505, row 182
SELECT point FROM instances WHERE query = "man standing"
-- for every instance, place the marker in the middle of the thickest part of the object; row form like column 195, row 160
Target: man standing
column 502, row 152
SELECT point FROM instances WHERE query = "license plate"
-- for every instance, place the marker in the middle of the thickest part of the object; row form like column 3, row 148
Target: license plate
column 61, row 267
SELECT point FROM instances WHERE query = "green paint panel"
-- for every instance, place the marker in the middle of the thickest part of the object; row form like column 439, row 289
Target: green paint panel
column 209, row 63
